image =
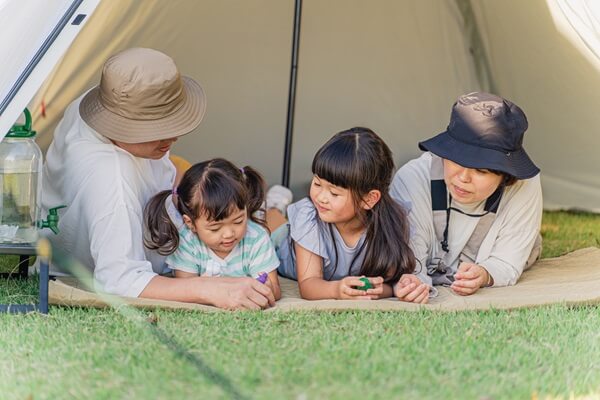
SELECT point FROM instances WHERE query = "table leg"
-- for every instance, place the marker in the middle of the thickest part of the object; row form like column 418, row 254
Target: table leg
column 23, row 266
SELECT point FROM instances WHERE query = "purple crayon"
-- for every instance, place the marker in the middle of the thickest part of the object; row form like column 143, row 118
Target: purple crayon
column 262, row 278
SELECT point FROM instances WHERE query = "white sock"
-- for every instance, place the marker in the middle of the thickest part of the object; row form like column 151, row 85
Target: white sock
column 279, row 197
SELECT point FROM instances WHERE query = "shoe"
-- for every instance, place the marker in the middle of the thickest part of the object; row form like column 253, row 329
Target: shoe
column 279, row 197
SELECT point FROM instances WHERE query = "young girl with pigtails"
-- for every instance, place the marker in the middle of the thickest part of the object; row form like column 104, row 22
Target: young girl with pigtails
column 350, row 228
column 221, row 233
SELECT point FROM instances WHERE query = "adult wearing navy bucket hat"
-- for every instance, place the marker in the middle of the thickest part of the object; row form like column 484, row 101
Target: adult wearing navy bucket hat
column 475, row 198
column 109, row 156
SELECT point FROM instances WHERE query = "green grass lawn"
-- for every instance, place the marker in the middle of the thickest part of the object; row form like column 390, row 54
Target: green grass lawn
column 548, row 352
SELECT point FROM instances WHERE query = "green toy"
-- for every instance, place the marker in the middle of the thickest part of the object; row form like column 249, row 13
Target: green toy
column 367, row 283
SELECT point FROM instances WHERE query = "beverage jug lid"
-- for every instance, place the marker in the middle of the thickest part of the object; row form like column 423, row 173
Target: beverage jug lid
column 22, row 130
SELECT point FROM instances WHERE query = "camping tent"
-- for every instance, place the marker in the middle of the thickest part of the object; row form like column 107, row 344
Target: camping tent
column 393, row 65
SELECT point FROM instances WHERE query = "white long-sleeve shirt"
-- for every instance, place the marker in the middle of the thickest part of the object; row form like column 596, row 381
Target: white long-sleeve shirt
column 105, row 189
column 509, row 242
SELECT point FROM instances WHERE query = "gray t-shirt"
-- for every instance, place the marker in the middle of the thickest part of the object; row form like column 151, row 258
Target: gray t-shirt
column 321, row 238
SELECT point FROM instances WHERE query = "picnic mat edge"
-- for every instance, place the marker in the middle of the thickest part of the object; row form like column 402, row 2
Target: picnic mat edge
column 571, row 279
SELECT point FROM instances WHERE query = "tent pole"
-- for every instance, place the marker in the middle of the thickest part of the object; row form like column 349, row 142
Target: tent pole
column 287, row 155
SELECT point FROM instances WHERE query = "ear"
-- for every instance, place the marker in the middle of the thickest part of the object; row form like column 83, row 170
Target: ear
column 188, row 222
column 371, row 198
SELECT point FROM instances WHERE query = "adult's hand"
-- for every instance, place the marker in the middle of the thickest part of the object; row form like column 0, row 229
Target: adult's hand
column 241, row 294
column 410, row 289
column 469, row 278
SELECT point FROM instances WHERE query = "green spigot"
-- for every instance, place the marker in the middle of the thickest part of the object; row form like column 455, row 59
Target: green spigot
column 22, row 131
column 52, row 221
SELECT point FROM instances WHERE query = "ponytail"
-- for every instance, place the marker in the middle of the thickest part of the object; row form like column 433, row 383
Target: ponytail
column 161, row 233
column 255, row 186
column 388, row 253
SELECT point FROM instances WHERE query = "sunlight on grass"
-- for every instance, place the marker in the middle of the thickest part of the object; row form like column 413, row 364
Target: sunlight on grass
column 564, row 232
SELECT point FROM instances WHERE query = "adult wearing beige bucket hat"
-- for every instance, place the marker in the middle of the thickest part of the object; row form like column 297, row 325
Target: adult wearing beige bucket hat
column 142, row 98
column 475, row 198
column 109, row 155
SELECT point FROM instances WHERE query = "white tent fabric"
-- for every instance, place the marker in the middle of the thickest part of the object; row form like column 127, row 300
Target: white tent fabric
column 35, row 36
column 17, row 53
column 395, row 66
column 534, row 64
column 583, row 17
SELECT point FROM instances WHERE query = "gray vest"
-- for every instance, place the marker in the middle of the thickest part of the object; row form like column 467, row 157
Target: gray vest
column 440, row 273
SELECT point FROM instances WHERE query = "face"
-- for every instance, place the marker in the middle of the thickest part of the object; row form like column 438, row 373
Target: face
column 333, row 203
column 220, row 236
column 468, row 185
column 153, row 150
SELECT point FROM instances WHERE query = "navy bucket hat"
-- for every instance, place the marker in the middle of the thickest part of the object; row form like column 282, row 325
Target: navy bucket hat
column 485, row 132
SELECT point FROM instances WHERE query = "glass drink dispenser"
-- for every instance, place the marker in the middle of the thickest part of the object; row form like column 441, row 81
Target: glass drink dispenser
column 21, row 187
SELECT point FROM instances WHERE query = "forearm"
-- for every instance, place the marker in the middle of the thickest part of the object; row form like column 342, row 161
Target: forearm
column 516, row 237
column 318, row 289
column 190, row 290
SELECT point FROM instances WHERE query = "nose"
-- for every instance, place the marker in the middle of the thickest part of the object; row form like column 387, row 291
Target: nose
column 322, row 197
column 464, row 175
column 228, row 233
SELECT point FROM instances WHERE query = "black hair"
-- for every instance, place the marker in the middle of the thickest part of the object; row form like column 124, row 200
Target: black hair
column 214, row 188
column 359, row 160
column 507, row 179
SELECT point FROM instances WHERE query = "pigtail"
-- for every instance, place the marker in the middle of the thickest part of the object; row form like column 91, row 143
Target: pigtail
column 160, row 234
column 255, row 185
column 388, row 252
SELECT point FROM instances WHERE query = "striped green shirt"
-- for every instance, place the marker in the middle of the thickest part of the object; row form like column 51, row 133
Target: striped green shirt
column 252, row 255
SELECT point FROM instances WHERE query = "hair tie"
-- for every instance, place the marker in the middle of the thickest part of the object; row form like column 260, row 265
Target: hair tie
column 174, row 191
column 242, row 171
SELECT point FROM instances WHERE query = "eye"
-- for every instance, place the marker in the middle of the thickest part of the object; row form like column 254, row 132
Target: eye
column 317, row 184
column 239, row 221
column 483, row 171
column 334, row 194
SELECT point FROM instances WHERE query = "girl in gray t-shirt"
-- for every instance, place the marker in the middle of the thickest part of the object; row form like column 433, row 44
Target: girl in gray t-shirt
column 349, row 227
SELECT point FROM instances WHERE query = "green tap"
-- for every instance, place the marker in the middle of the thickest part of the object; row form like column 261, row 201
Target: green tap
column 52, row 221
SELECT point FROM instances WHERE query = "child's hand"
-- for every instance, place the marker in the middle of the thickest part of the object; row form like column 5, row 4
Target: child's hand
column 347, row 288
column 469, row 278
column 271, row 281
column 269, row 284
column 376, row 290
column 410, row 288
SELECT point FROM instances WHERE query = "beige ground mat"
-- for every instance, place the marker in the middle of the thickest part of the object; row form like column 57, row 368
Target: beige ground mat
column 570, row 279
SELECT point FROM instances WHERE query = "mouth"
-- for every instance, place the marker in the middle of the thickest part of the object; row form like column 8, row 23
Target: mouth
column 321, row 208
column 461, row 192
column 228, row 243
column 164, row 149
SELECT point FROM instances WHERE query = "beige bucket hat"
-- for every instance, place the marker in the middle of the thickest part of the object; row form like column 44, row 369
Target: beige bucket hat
column 142, row 97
